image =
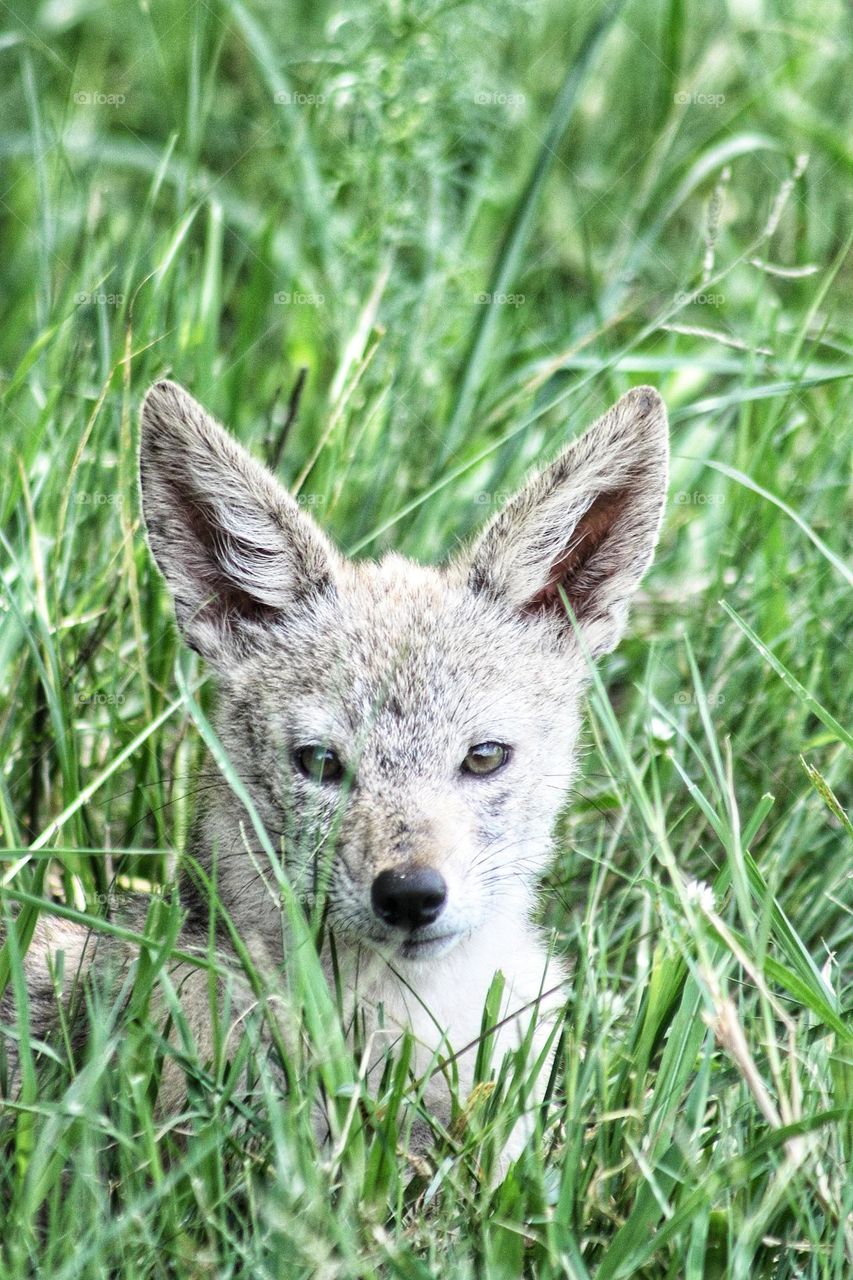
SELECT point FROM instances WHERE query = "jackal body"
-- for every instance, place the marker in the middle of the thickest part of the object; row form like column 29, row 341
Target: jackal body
column 407, row 734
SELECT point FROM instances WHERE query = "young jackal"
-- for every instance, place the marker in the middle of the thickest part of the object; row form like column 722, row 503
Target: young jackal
column 406, row 734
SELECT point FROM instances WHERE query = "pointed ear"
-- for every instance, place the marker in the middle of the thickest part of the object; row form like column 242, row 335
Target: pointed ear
column 235, row 549
column 587, row 524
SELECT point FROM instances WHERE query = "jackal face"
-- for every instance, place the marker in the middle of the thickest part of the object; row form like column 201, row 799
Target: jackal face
column 406, row 733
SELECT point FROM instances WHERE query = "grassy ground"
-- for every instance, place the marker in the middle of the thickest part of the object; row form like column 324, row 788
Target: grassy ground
column 473, row 226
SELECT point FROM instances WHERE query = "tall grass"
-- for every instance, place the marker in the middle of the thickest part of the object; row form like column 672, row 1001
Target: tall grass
column 473, row 226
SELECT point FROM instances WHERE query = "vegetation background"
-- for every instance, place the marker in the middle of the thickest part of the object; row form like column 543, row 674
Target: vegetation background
column 472, row 226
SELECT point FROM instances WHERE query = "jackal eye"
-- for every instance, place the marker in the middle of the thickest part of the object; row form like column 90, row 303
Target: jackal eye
column 485, row 757
column 319, row 762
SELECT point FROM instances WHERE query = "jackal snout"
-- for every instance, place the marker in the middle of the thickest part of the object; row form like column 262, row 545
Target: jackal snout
column 408, row 897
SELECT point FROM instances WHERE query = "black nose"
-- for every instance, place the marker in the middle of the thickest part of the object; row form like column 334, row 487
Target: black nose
column 408, row 897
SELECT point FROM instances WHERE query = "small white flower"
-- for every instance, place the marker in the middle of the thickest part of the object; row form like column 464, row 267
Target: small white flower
column 661, row 731
column 700, row 894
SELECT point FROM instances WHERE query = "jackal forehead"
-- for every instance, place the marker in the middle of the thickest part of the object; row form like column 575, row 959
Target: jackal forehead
column 399, row 650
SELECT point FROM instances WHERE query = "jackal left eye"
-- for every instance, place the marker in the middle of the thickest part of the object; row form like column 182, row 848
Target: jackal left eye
column 485, row 757
column 319, row 762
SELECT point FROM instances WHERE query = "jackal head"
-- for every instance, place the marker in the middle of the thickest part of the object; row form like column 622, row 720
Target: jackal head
column 407, row 733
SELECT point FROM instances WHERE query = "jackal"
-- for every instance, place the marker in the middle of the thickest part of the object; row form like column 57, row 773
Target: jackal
column 407, row 734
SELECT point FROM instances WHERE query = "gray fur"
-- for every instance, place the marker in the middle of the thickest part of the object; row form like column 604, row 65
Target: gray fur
column 401, row 668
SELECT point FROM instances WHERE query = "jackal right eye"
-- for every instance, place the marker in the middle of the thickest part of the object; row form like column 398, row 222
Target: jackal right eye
column 319, row 762
column 484, row 758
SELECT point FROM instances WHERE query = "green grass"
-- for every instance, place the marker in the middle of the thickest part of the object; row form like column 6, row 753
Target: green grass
column 662, row 194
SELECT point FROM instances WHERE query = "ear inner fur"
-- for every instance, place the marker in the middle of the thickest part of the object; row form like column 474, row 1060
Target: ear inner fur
column 235, row 549
column 586, row 525
column 226, row 596
column 573, row 571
